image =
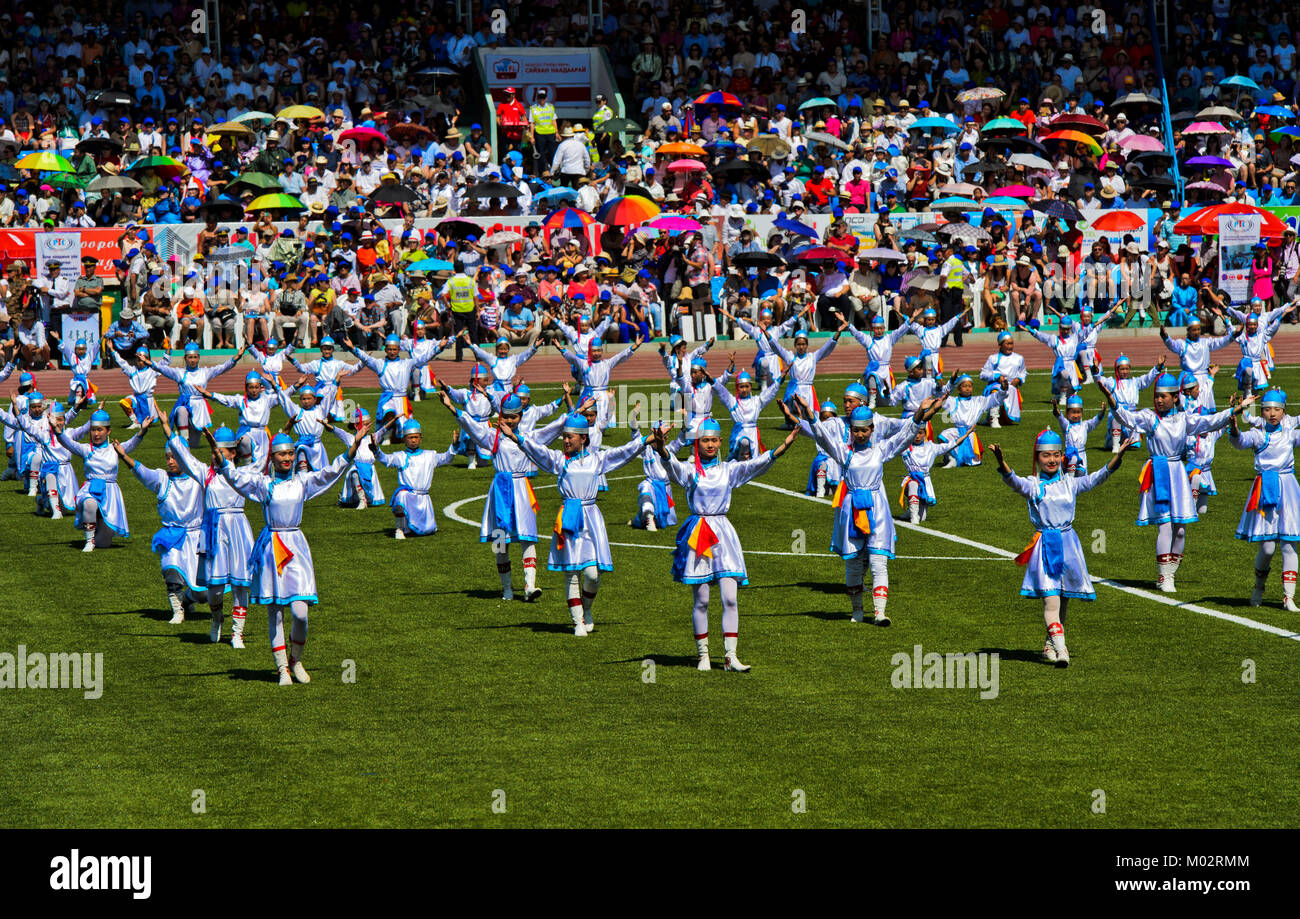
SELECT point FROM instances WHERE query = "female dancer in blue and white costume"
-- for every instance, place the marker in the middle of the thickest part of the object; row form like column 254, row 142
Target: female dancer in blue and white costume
column 966, row 409
column 361, row 486
column 254, row 408
column 708, row 547
column 191, row 414
column 863, row 528
column 656, row 509
column 227, row 540
column 1272, row 512
column 1006, row 364
column 767, row 363
column 143, row 379
column 328, row 370
column 394, row 373
column 931, row 335
column 801, row 365
column 1167, row 501
column 1065, row 370
column 179, row 542
column 1127, row 389
column 502, row 366
column 579, row 543
column 412, row 509
column 100, row 509
column 307, row 420
column 58, row 490
column 593, row 370
column 879, row 345
column 745, row 408
column 1194, row 355
column 281, row 568
column 917, row 489
column 510, row 511
column 1055, row 567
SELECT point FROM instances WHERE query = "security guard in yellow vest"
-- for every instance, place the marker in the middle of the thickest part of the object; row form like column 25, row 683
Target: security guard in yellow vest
column 955, row 273
column 602, row 114
column 542, row 123
column 460, row 294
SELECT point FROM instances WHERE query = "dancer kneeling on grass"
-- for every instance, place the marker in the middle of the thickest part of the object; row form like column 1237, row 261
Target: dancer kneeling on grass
column 1272, row 512
column 282, row 572
column 412, row 509
column 100, row 509
column 656, row 509
column 180, row 510
column 510, row 511
column 361, row 487
column 966, row 410
column 226, row 540
column 708, row 548
column 1167, row 501
column 1005, row 365
column 1055, row 567
column 579, row 543
column 863, row 529
column 58, row 480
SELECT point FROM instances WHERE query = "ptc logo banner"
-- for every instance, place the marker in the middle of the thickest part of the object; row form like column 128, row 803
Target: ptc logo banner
column 1238, row 234
column 63, row 248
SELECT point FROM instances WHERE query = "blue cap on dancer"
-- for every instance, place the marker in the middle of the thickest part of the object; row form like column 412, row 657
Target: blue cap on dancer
column 877, row 321
column 308, row 388
column 192, row 347
column 477, row 371
column 360, row 415
column 225, row 437
column 272, row 343
column 699, row 362
column 1167, row 383
column 512, row 405
column 100, row 419
column 929, row 314
column 327, row 342
column 523, row 390
column 765, row 314
column 1004, row 336
column 35, row 397
column 911, row 362
column 253, row 377
column 596, row 343
column 828, row 406
column 392, row 340
column 26, row 379
column 1274, row 397
column 861, row 418
column 1188, row 380
column 962, row 378
column 281, row 442
column 1066, row 322
column 801, row 334
column 1048, row 440
column 708, row 426
column 857, row 390
column 576, row 424
column 502, row 340
column 1122, row 360
column 411, row 426
column 142, row 351
column 1074, row 401
column 56, row 409
column 675, row 340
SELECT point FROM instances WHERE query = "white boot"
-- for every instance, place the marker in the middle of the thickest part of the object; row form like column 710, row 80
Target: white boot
column 730, row 661
column 1049, row 650
column 914, row 510
column 1165, row 574
column 90, row 539
column 1056, row 635
column 362, row 503
column 579, row 625
column 56, row 507
column 995, row 421
column 399, row 533
column 650, row 524
column 473, row 462
column 1288, row 592
column 821, row 487
column 282, row 666
column 31, row 488
column 237, row 617
column 178, row 609
column 702, row 649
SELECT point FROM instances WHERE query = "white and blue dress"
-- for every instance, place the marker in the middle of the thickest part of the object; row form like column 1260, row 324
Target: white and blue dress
column 180, row 510
column 1166, row 491
column 414, row 477
column 1054, row 562
column 226, row 545
column 1272, row 509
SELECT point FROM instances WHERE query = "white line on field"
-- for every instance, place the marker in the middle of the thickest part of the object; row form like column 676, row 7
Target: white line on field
column 1134, row 591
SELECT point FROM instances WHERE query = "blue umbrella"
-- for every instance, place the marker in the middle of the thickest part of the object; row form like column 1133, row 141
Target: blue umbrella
column 795, row 227
column 556, row 194
column 1206, row 161
column 1285, row 132
column 1239, row 80
column 430, row 264
column 1275, row 111
column 933, row 123
column 724, row 147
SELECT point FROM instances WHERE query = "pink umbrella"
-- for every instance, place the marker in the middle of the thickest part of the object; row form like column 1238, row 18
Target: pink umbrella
column 1016, row 191
column 687, row 165
column 1207, row 186
column 363, row 136
column 674, row 222
column 1205, row 127
column 1142, row 143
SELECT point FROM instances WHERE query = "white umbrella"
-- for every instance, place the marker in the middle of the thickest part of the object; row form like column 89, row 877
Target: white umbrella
column 503, row 238
column 1029, row 161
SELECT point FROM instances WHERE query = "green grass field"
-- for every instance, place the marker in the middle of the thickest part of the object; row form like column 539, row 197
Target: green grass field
column 462, row 700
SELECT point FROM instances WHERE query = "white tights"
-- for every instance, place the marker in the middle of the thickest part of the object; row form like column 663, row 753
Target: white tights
column 728, row 588
column 1170, row 539
column 853, row 580
column 297, row 633
column 582, row 593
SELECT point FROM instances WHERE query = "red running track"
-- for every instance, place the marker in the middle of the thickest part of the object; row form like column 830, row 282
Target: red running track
column 1144, row 349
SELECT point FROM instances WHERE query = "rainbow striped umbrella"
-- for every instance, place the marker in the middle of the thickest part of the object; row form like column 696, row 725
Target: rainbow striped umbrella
column 567, row 218
column 627, row 210
column 163, row 166
column 45, row 161
column 1077, row 137
column 276, row 202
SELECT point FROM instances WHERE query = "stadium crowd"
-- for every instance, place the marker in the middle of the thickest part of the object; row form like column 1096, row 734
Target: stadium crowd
column 1016, row 125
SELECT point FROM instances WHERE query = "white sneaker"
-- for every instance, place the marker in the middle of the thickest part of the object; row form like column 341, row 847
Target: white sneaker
column 178, row 611
column 1049, row 653
column 821, row 491
column 399, row 533
column 214, row 633
column 880, row 619
column 133, row 426
column 589, row 624
column 1063, row 658
column 951, row 462
column 914, row 514
column 508, row 593
column 1288, row 604
column 90, row 544
column 733, row 664
column 473, row 464
column 857, row 616
column 995, row 422
column 1257, row 596
column 579, row 630
column 650, row 524
column 236, row 640
column 1166, row 584
column 704, row 663
column 57, row 513
column 31, row 490
column 299, row 672
column 285, row 679
column 533, row 595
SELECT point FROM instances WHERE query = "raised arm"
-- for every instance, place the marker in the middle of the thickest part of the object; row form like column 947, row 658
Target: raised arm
column 614, row 457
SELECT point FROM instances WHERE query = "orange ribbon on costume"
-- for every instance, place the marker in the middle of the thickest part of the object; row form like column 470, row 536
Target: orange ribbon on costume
column 532, row 496
column 703, row 539
column 281, row 553
column 1027, row 553
column 1252, row 503
column 1146, row 478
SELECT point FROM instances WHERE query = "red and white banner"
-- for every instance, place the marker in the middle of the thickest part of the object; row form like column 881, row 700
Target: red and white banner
column 566, row 73
column 98, row 242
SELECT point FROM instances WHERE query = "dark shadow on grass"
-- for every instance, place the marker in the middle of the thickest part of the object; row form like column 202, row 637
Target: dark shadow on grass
column 477, row 593
column 828, row 615
column 189, row 638
column 821, row 587
column 1226, row 601
column 265, row 675
column 79, row 544
column 1019, row 655
column 663, row 660
column 1136, row 582
column 543, row 627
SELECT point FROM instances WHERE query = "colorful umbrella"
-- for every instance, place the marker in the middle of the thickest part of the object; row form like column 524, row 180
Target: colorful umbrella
column 363, row 136
column 980, row 94
column 430, row 264
column 1016, row 191
column 686, row 166
column 768, row 145
column 1206, row 220
column 1077, row 137
column 45, row 161
column 1004, row 201
column 1241, row 82
column 1284, row 132
column 795, row 227
column 1205, row 127
column 1085, row 123
column 1275, row 111
column 1208, row 161
column 260, row 119
column 820, row 253
column 681, row 148
column 276, row 202
column 674, row 222
column 954, row 204
column 164, row 166
column 965, row 189
column 296, row 112
column 1118, row 222
column 1206, row 186
column 567, row 218
column 998, row 125
column 626, row 210
column 718, row 98
column 1142, row 143
column 256, row 181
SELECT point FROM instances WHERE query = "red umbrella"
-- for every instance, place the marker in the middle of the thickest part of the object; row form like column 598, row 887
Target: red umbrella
column 1085, row 123
column 1118, row 222
column 1206, row 220
column 363, row 136
column 818, row 253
